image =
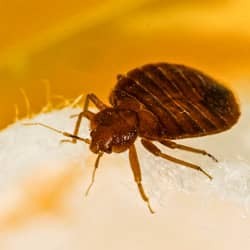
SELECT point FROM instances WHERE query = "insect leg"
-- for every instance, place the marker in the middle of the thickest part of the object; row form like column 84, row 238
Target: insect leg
column 174, row 145
column 98, row 103
column 134, row 163
column 86, row 113
column 157, row 152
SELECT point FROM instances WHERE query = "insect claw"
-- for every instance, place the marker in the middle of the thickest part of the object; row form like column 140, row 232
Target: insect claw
column 208, row 175
column 213, row 158
column 150, row 209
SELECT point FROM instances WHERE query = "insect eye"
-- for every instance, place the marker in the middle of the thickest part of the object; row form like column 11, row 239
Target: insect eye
column 92, row 133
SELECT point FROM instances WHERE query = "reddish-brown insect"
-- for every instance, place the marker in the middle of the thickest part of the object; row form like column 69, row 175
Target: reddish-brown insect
column 157, row 102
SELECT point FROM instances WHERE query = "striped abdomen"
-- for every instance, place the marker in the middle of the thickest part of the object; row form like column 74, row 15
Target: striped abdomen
column 185, row 102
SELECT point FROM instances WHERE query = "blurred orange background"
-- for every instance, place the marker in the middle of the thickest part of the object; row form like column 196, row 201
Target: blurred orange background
column 80, row 46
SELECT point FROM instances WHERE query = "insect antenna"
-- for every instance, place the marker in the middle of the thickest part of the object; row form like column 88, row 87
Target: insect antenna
column 94, row 171
column 58, row 131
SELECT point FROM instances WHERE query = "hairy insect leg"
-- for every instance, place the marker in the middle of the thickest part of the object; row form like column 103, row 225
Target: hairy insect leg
column 134, row 163
column 94, row 171
column 174, row 145
column 98, row 103
column 157, row 152
column 86, row 113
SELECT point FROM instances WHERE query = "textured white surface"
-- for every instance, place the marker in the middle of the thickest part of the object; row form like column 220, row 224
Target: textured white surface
column 191, row 211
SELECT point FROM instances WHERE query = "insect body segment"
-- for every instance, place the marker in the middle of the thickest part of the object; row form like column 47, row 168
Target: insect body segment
column 186, row 102
column 157, row 102
column 113, row 130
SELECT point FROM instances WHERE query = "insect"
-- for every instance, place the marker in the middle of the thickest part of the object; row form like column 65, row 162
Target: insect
column 159, row 103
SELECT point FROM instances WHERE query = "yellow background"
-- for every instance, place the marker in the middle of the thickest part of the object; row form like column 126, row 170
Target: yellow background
column 80, row 46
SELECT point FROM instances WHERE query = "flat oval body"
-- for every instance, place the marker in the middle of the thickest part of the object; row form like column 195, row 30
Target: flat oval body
column 183, row 101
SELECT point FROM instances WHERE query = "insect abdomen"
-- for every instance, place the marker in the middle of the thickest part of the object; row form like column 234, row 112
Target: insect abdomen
column 186, row 102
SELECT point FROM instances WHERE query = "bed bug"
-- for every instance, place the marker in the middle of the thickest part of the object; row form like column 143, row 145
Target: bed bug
column 159, row 103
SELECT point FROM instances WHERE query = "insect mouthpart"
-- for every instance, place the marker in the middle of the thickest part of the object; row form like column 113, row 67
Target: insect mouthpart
column 97, row 146
column 94, row 148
